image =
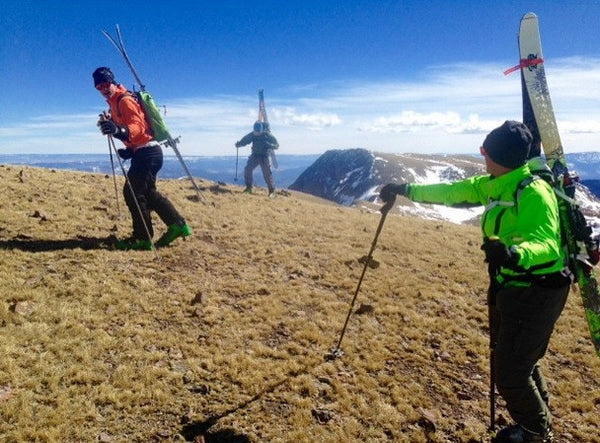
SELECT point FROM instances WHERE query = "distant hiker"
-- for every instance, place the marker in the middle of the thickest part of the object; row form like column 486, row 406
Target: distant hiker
column 529, row 280
column 127, row 123
column 262, row 142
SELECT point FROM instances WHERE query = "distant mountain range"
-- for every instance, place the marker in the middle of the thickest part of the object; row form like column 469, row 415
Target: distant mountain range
column 227, row 169
column 352, row 176
column 346, row 176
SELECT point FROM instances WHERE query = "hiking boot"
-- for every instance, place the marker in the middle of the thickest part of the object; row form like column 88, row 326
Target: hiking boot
column 173, row 231
column 518, row 434
column 134, row 244
column 248, row 190
column 272, row 194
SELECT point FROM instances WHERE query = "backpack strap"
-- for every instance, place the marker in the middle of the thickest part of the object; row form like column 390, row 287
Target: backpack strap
column 134, row 96
column 520, row 188
column 522, row 185
column 121, row 97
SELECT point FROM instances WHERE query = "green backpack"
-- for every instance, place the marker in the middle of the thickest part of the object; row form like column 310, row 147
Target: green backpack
column 155, row 121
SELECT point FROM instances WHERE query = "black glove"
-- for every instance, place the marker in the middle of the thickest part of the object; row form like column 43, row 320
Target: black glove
column 389, row 191
column 498, row 255
column 109, row 127
column 125, row 154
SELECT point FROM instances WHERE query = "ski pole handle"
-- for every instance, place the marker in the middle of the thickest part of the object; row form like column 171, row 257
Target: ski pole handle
column 389, row 205
column 104, row 116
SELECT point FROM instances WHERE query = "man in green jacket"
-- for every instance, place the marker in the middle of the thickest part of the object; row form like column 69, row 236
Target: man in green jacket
column 529, row 280
column 262, row 143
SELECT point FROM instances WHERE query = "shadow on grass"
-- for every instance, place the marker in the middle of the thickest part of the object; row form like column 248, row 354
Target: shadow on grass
column 85, row 243
column 192, row 430
column 196, row 429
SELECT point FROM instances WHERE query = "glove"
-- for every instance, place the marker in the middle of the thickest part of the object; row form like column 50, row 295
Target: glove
column 125, row 154
column 498, row 255
column 237, row 144
column 109, row 127
column 389, row 191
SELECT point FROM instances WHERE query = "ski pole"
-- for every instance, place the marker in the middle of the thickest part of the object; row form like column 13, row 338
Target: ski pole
column 111, row 142
column 112, row 165
column 173, row 143
column 237, row 156
column 337, row 351
column 491, row 315
column 493, row 324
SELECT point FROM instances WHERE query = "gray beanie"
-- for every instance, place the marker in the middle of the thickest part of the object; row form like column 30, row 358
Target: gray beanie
column 509, row 144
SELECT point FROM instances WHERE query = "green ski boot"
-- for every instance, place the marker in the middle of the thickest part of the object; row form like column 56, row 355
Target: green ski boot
column 174, row 231
column 134, row 244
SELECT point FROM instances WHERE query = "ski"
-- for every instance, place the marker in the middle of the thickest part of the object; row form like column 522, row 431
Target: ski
column 170, row 141
column 538, row 115
column 262, row 110
column 262, row 117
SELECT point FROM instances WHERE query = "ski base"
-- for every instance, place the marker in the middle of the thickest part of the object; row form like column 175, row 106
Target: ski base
column 538, row 115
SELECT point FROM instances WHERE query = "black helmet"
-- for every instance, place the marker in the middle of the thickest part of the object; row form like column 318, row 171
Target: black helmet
column 258, row 127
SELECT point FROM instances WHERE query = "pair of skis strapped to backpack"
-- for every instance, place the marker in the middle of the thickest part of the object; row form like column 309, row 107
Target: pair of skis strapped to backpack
column 151, row 112
column 538, row 115
column 262, row 117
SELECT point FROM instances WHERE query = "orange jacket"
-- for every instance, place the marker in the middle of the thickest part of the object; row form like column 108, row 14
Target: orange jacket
column 130, row 114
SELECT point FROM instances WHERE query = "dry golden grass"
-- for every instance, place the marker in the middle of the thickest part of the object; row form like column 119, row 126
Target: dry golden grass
column 226, row 335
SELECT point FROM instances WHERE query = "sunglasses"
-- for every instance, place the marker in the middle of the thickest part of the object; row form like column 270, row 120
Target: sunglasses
column 103, row 86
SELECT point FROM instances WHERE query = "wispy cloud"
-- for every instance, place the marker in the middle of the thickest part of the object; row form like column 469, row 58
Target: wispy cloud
column 447, row 108
column 290, row 116
column 410, row 121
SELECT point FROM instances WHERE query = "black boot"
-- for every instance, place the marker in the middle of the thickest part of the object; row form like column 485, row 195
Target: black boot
column 518, row 434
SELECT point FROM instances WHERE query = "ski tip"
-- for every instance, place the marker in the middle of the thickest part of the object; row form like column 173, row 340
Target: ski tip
column 529, row 16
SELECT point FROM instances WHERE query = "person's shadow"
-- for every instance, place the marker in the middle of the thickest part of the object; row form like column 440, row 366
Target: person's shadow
column 200, row 430
column 27, row 244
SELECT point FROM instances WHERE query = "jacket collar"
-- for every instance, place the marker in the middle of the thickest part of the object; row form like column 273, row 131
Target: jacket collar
column 120, row 91
column 507, row 182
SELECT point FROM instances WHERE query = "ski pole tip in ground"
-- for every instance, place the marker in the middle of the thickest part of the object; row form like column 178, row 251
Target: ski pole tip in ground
column 334, row 353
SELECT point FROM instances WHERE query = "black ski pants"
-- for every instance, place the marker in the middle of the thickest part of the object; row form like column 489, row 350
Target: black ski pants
column 524, row 321
column 145, row 164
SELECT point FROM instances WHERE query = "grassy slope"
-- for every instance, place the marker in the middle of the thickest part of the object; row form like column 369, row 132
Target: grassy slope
column 226, row 335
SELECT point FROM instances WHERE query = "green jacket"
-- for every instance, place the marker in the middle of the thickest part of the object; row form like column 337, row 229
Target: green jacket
column 528, row 221
column 261, row 143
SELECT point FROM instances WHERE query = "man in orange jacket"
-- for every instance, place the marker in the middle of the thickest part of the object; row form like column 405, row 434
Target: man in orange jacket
column 127, row 122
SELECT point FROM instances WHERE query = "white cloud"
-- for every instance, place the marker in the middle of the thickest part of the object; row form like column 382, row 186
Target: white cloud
column 411, row 121
column 449, row 109
column 290, row 116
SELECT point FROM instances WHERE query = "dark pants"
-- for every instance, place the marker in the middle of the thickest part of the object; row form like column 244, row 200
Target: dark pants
column 145, row 164
column 263, row 160
column 523, row 321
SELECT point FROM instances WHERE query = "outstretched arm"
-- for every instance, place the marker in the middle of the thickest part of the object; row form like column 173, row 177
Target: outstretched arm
column 245, row 140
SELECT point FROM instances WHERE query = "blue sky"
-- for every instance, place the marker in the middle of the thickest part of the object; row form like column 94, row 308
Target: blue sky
column 389, row 76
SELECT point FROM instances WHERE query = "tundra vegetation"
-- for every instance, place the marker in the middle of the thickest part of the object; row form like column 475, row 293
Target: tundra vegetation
column 225, row 337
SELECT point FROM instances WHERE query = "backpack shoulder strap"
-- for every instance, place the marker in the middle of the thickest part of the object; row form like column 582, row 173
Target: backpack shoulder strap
column 121, row 97
column 522, row 185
